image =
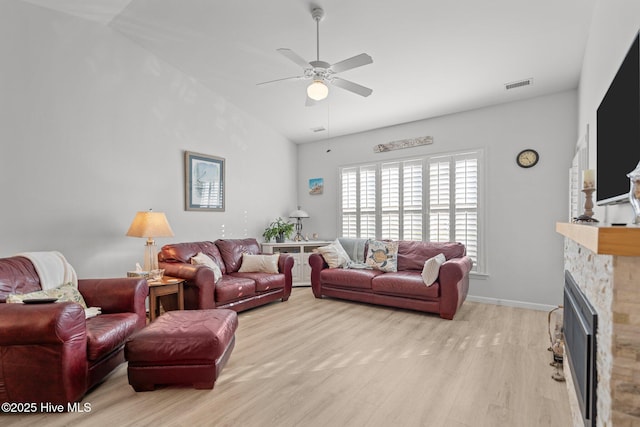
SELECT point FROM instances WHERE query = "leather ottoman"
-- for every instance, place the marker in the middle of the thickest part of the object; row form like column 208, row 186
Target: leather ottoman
column 181, row 347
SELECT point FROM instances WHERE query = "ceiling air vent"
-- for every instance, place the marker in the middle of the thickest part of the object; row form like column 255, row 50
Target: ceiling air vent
column 520, row 83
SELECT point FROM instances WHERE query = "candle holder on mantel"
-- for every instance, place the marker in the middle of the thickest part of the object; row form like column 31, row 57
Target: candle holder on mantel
column 587, row 216
column 634, row 193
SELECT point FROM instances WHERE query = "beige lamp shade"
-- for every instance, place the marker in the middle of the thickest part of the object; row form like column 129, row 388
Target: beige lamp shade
column 150, row 224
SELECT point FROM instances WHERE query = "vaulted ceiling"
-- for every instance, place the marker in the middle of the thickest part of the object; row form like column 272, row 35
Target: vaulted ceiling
column 430, row 57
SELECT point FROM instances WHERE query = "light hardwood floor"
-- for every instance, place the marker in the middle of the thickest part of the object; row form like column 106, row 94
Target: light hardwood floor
column 310, row 362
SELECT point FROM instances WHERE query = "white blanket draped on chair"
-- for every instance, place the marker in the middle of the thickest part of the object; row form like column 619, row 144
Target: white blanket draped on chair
column 52, row 268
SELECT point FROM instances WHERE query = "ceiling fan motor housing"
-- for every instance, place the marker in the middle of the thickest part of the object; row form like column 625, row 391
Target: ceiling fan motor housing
column 320, row 64
column 317, row 13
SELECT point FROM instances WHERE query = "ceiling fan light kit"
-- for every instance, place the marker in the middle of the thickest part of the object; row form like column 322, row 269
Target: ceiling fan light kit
column 317, row 90
column 322, row 73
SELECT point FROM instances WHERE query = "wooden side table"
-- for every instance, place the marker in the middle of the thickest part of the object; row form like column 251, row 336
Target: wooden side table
column 166, row 286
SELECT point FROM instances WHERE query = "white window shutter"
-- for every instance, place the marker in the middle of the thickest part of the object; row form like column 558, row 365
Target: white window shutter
column 368, row 201
column 466, row 204
column 349, row 202
column 412, row 203
column 439, row 200
column 390, row 201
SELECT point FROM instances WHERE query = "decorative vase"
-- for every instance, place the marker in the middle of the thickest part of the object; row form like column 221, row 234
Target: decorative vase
column 280, row 238
column 634, row 193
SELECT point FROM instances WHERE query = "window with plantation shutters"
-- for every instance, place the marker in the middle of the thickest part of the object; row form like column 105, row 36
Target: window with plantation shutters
column 432, row 198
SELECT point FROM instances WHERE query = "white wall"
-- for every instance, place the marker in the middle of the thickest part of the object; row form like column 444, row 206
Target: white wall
column 614, row 25
column 93, row 128
column 525, row 254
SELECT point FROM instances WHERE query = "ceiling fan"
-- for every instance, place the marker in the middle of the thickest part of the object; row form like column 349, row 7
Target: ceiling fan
column 322, row 72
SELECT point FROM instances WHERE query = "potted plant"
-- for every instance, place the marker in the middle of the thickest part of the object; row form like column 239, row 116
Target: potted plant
column 280, row 229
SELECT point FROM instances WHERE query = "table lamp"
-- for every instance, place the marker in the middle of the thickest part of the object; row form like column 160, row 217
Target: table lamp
column 150, row 224
column 298, row 214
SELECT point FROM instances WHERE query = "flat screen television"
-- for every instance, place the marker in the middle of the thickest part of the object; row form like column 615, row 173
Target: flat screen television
column 618, row 131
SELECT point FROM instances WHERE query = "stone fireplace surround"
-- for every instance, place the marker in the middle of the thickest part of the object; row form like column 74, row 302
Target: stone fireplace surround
column 605, row 263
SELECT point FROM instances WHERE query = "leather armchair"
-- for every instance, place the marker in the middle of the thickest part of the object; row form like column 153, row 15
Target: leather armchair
column 50, row 352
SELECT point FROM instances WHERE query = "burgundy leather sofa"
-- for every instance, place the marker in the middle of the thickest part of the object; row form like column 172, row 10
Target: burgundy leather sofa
column 236, row 291
column 50, row 352
column 404, row 288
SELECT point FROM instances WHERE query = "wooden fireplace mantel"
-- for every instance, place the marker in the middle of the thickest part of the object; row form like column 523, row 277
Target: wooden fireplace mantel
column 603, row 239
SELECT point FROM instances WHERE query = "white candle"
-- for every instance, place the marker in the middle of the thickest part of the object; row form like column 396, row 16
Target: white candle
column 588, row 178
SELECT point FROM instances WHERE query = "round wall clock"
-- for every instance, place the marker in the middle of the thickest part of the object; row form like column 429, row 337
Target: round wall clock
column 527, row 158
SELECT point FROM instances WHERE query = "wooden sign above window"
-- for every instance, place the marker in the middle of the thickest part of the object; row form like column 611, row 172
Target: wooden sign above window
column 403, row 143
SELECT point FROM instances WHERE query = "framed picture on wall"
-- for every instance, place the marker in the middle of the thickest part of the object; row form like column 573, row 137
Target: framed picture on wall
column 316, row 186
column 204, row 182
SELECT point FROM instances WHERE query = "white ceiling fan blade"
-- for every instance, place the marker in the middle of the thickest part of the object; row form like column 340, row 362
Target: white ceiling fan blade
column 279, row 80
column 353, row 62
column 294, row 57
column 351, row 86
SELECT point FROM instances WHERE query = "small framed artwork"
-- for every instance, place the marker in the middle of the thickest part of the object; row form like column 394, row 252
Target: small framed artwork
column 204, row 182
column 316, row 186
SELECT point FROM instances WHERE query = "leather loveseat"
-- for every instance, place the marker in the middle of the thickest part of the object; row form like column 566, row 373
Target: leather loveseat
column 50, row 352
column 235, row 290
column 404, row 288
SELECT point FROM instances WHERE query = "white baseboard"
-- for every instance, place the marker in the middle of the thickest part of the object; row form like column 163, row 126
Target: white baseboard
column 510, row 303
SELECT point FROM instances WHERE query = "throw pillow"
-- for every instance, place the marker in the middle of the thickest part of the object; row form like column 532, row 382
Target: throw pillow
column 259, row 263
column 432, row 269
column 64, row 293
column 204, row 259
column 383, row 256
column 354, row 248
column 334, row 254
